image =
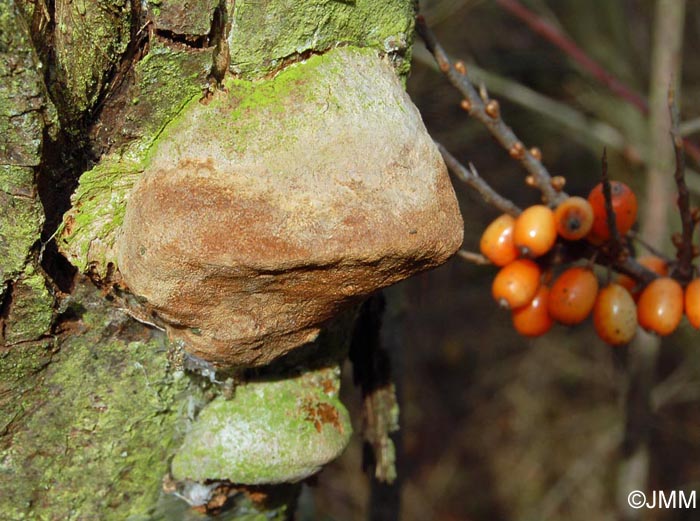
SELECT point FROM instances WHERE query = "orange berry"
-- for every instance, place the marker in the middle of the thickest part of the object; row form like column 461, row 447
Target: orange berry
column 497, row 241
column 660, row 306
column 515, row 285
column 572, row 296
column 692, row 303
column 615, row 315
column 624, row 204
column 653, row 263
column 574, row 218
column 533, row 319
column 535, row 233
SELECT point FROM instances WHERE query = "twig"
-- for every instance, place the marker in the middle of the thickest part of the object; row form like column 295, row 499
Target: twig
column 569, row 47
column 577, row 126
column 615, row 243
column 632, row 234
column 669, row 21
column 474, row 258
column 631, row 267
column 563, row 42
column 472, row 178
column 488, row 113
column 628, row 266
column 570, row 122
column 684, row 269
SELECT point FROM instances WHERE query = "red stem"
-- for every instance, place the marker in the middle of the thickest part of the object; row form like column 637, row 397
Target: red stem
column 566, row 44
column 553, row 35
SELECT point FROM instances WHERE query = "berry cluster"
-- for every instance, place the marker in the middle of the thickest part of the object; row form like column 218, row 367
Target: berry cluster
column 517, row 245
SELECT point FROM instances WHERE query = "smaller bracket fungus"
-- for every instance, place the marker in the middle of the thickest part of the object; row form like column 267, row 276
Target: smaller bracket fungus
column 276, row 431
column 264, row 212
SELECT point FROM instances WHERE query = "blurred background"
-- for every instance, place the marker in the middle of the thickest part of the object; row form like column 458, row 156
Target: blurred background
column 495, row 426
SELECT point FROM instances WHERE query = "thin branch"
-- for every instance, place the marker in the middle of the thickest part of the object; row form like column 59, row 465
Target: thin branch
column 635, row 236
column 488, row 113
column 573, row 123
column 566, row 44
column 642, row 361
column 632, row 268
column 628, row 266
column 570, row 122
column 472, row 178
column 684, row 269
column 577, row 126
column 615, row 244
column 557, row 38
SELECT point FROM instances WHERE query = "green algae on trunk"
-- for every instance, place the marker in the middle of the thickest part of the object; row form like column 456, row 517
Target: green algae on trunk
column 266, row 35
column 98, row 423
column 26, row 117
column 30, row 314
column 164, row 82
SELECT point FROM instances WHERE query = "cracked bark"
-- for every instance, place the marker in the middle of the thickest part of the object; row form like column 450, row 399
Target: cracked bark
column 90, row 408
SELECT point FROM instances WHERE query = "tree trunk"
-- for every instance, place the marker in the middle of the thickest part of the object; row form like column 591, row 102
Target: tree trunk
column 95, row 400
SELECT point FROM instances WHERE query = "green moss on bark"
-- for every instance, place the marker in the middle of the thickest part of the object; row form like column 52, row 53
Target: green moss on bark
column 89, row 39
column 17, row 180
column 264, row 35
column 22, row 101
column 18, row 370
column 24, row 114
column 31, row 312
column 166, row 80
column 98, row 428
column 20, row 225
column 89, row 228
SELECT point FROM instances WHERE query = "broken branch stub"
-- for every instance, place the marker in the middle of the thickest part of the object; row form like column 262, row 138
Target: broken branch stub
column 267, row 210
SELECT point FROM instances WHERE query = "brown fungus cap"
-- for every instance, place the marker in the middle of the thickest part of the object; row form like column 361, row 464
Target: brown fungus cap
column 269, row 209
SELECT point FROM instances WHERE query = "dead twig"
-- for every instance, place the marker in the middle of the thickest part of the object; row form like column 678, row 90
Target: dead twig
column 634, row 235
column 488, row 112
column 632, row 268
column 615, row 244
column 472, row 178
column 684, row 268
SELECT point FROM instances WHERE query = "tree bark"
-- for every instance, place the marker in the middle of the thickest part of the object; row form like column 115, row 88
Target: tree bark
column 94, row 402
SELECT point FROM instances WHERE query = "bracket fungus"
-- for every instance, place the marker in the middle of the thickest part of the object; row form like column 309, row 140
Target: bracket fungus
column 277, row 431
column 272, row 206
